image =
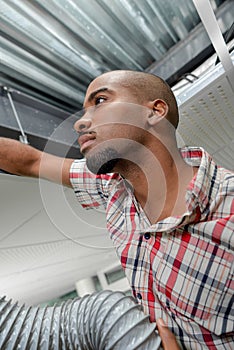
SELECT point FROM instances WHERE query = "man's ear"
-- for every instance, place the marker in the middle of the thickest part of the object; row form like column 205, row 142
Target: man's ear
column 159, row 110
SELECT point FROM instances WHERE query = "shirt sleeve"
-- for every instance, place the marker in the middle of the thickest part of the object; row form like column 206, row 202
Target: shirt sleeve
column 92, row 191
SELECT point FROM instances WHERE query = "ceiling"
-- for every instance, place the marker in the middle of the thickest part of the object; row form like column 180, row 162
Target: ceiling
column 47, row 241
column 53, row 49
column 50, row 51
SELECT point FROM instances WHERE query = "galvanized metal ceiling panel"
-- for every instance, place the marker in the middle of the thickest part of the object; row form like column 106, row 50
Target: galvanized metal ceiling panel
column 52, row 49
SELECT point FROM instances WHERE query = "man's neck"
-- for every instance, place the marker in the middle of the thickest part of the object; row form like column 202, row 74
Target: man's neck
column 160, row 185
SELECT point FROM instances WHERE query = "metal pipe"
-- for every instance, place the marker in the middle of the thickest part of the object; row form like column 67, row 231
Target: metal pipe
column 23, row 137
column 105, row 320
column 211, row 25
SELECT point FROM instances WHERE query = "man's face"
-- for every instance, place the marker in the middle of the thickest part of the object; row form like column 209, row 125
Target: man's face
column 113, row 118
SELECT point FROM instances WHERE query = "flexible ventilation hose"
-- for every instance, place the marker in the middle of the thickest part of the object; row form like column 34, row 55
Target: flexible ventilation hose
column 105, row 320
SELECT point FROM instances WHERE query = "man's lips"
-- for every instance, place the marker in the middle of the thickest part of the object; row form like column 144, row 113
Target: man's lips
column 85, row 140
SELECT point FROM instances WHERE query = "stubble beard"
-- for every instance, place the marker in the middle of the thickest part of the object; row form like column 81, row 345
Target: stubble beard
column 102, row 162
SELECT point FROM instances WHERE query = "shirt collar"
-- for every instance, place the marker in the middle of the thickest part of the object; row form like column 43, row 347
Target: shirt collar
column 204, row 186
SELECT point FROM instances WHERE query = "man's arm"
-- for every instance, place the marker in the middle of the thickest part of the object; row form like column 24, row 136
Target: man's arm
column 20, row 159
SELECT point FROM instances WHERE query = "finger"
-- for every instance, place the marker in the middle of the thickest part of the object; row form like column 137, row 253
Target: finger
column 168, row 339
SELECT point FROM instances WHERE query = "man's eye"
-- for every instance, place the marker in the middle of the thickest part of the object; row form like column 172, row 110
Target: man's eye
column 99, row 100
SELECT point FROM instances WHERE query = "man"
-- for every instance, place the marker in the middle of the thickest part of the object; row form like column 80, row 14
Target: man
column 170, row 213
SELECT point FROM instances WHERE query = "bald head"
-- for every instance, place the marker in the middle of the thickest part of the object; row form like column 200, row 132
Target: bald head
column 146, row 87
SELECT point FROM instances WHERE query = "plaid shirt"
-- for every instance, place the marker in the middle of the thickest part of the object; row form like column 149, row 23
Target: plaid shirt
column 181, row 268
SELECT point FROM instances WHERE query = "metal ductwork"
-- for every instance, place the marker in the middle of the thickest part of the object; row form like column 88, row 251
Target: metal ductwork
column 104, row 320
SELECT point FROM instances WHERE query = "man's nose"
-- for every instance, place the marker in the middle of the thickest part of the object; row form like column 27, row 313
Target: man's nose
column 82, row 124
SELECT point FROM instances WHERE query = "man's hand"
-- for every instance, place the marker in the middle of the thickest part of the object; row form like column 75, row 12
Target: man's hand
column 168, row 339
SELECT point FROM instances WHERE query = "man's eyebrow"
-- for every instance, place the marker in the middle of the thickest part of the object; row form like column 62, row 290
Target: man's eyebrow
column 94, row 93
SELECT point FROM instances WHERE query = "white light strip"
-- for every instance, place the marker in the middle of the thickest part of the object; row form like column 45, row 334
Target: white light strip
column 210, row 23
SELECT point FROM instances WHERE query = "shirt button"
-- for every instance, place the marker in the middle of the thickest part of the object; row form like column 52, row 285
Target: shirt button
column 147, row 235
column 139, row 296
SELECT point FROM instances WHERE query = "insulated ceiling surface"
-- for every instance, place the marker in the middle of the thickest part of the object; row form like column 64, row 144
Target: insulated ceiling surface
column 206, row 116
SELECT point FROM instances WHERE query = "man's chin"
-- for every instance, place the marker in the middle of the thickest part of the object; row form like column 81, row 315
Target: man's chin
column 102, row 162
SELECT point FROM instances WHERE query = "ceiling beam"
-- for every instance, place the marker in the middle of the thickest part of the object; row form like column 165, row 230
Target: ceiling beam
column 210, row 23
column 185, row 55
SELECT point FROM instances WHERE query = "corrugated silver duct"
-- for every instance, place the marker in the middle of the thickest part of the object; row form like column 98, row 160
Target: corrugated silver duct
column 104, row 320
